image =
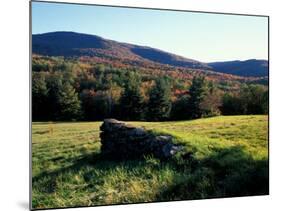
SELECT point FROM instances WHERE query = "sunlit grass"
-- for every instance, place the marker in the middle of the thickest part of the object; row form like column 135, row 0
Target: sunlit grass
column 229, row 157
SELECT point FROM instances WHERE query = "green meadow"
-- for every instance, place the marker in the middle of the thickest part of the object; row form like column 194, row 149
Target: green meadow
column 227, row 157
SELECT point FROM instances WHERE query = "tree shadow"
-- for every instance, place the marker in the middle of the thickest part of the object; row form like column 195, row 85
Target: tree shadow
column 46, row 181
column 49, row 177
column 229, row 172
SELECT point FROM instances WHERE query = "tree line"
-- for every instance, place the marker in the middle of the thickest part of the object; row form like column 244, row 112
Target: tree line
column 67, row 94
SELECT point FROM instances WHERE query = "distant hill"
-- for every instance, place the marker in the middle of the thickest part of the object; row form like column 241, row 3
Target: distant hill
column 72, row 44
column 252, row 67
column 64, row 43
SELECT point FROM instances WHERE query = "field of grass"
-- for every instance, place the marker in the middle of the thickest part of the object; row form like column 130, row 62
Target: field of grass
column 229, row 157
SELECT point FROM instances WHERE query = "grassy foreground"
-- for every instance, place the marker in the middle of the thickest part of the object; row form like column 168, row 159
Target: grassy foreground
column 229, row 158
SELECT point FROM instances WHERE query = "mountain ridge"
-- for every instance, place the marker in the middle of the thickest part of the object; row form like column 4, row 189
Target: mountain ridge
column 249, row 67
column 73, row 44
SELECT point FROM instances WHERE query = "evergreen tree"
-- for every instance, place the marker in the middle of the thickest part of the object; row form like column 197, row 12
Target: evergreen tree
column 39, row 96
column 69, row 104
column 54, row 84
column 159, row 104
column 131, row 101
column 254, row 97
column 265, row 102
column 179, row 107
column 232, row 104
column 197, row 92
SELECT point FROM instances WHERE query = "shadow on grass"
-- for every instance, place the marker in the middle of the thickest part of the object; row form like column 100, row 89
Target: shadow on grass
column 225, row 173
column 46, row 181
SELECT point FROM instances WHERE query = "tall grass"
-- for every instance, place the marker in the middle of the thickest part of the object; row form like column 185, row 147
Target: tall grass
column 227, row 156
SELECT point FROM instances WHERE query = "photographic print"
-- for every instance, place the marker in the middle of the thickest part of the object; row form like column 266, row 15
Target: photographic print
column 136, row 105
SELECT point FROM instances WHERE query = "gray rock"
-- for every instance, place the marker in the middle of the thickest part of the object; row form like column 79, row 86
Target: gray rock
column 120, row 140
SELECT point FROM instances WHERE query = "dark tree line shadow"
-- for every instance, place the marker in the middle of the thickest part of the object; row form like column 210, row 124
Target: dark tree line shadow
column 225, row 173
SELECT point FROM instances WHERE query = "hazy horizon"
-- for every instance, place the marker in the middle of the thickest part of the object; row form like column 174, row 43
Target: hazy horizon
column 200, row 36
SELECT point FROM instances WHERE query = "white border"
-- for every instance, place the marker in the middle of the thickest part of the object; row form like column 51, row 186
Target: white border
column 14, row 115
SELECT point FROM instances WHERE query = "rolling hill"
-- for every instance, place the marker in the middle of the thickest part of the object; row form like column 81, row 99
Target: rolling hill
column 72, row 44
column 252, row 67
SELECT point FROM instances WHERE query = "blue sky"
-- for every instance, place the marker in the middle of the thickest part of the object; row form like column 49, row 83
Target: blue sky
column 201, row 36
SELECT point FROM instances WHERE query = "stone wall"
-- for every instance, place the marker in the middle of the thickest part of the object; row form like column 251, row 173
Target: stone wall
column 124, row 141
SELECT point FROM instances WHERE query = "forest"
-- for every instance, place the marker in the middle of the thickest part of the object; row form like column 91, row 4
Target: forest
column 78, row 90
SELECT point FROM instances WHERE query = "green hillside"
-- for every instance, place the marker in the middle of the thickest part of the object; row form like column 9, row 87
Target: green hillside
column 228, row 157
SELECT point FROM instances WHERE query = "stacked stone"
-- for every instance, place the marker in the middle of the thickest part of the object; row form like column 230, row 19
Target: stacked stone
column 122, row 141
